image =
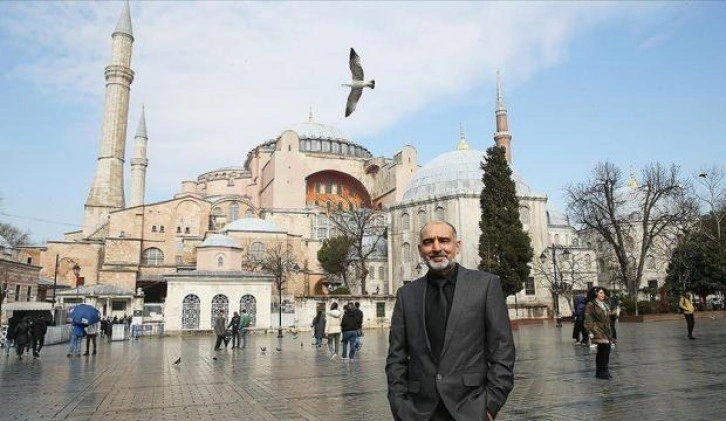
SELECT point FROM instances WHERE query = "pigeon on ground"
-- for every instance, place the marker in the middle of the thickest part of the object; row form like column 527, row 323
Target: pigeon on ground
column 357, row 83
column 177, row 362
column 263, row 349
column 301, row 344
column 278, row 349
column 214, row 358
column 294, row 335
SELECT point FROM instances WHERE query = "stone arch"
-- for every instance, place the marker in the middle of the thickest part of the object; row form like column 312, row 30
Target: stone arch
column 220, row 302
column 335, row 186
column 249, row 302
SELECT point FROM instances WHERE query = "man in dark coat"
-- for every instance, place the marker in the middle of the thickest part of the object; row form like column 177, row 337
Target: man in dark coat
column 451, row 351
column 40, row 327
column 22, row 336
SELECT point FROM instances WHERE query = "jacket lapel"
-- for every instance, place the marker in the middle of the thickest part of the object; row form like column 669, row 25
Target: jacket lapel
column 464, row 283
column 422, row 311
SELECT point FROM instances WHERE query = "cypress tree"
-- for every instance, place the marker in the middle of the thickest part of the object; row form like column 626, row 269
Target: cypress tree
column 504, row 247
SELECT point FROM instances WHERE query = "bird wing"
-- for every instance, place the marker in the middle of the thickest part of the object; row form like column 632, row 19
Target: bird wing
column 355, row 67
column 353, row 98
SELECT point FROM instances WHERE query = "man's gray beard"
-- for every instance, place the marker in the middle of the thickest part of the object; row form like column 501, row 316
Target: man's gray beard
column 439, row 267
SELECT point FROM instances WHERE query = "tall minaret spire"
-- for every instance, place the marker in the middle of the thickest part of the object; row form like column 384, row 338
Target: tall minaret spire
column 107, row 191
column 502, row 136
column 138, row 164
column 462, row 146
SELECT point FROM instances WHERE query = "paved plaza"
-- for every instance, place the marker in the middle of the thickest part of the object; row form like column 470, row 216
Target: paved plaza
column 658, row 375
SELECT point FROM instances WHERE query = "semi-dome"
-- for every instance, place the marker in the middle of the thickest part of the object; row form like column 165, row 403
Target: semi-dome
column 252, row 225
column 555, row 217
column 452, row 173
column 312, row 130
column 219, row 240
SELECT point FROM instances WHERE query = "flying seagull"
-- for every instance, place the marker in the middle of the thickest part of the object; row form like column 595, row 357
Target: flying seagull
column 357, row 83
column 177, row 362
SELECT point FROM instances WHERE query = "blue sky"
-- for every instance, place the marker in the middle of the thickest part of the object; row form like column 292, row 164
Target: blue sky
column 629, row 82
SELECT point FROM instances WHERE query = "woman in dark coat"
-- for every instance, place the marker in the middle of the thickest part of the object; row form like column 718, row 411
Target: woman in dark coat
column 318, row 326
column 597, row 322
column 22, row 336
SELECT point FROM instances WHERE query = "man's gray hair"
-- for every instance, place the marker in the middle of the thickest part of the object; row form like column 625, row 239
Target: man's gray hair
column 437, row 221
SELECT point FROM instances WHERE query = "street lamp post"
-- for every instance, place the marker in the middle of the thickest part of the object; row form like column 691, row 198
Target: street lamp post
column 555, row 283
column 279, row 292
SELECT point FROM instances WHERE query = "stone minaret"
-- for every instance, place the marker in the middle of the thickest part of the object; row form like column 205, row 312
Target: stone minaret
column 502, row 136
column 138, row 164
column 107, row 191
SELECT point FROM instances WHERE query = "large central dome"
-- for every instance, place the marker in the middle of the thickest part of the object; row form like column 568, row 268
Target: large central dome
column 312, row 130
column 457, row 172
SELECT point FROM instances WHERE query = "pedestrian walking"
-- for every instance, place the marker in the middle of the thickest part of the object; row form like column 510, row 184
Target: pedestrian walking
column 332, row 329
column 359, row 324
column 686, row 305
column 40, row 328
column 349, row 329
column 91, row 332
column 437, row 370
column 597, row 322
column 579, row 333
column 318, row 326
column 77, row 332
column 22, row 336
column 220, row 329
column 234, row 327
column 614, row 317
column 245, row 321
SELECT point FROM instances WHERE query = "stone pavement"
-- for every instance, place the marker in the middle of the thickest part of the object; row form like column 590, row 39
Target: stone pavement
column 659, row 374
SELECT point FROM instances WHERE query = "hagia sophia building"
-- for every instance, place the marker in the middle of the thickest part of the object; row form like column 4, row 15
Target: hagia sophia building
column 191, row 252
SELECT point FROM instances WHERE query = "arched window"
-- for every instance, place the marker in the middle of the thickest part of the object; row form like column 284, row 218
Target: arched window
column 249, row 213
column 381, row 275
column 220, row 261
column 219, row 303
column 190, row 312
column 372, row 273
column 405, row 222
column 233, row 211
column 650, row 263
column 524, row 215
column 257, row 251
column 249, row 303
column 557, row 239
column 152, row 257
column 323, row 228
column 406, row 253
column 421, row 218
column 440, row 213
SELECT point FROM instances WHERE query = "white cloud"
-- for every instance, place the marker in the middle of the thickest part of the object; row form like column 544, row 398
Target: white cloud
column 220, row 78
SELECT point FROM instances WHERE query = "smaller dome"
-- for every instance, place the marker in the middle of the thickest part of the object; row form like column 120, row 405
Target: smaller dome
column 219, row 240
column 251, row 224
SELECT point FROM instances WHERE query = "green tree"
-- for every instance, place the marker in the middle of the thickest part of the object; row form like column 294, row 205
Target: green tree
column 335, row 256
column 504, row 247
column 698, row 263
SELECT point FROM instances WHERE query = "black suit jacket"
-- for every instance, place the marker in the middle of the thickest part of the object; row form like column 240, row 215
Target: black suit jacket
column 476, row 369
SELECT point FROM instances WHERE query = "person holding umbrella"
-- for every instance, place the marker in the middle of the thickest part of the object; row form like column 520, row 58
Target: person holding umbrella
column 81, row 316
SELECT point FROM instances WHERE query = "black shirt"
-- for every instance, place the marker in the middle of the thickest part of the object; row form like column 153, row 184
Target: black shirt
column 434, row 328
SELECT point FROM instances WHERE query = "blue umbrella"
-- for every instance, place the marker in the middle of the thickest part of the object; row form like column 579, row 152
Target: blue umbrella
column 84, row 314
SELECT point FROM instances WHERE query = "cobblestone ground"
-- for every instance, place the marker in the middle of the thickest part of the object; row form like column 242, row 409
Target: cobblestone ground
column 659, row 374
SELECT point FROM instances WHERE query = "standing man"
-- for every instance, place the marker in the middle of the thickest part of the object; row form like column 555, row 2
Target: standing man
column 234, row 326
column 91, row 333
column 244, row 323
column 359, row 320
column 451, row 351
column 40, row 327
column 687, row 306
column 220, row 329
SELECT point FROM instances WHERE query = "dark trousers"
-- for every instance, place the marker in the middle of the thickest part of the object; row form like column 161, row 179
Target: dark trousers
column 38, row 344
column 602, row 359
column 89, row 339
column 613, row 331
column 243, row 336
column 579, row 332
column 689, row 323
column 20, row 347
column 219, row 342
column 235, row 339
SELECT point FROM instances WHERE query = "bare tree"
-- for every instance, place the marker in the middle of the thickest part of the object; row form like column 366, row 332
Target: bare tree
column 366, row 228
column 712, row 192
column 570, row 273
column 629, row 219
